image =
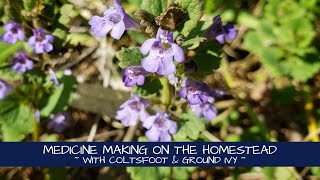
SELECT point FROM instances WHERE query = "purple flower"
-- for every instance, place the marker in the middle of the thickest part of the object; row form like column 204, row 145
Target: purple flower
column 13, row 32
column 58, row 122
column 195, row 92
column 41, row 41
column 54, row 78
column 5, row 88
column 114, row 18
column 21, row 63
column 162, row 50
column 205, row 109
column 160, row 127
column 131, row 110
column 220, row 33
column 133, row 75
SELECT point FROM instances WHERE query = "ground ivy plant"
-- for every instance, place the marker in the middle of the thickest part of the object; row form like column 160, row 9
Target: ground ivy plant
column 167, row 91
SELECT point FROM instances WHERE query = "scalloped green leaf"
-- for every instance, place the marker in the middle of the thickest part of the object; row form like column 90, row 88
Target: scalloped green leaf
column 155, row 7
column 195, row 12
column 191, row 127
column 16, row 119
column 150, row 87
column 129, row 57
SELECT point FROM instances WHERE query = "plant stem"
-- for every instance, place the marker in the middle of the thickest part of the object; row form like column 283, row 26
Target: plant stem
column 166, row 93
column 35, row 133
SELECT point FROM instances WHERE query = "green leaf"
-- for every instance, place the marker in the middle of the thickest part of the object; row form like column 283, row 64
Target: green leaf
column 248, row 20
column 16, row 119
column 151, row 86
column 10, row 75
column 60, row 98
column 301, row 70
column 193, row 43
column 271, row 57
column 129, row 57
column 168, row 173
column 253, row 42
column 191, row 127
column 195, row 12
column 315, row 171
column 29, row 4
column 80, row 38
column 140, row 173
column 57, row 173
column 154, row 7
column 208, row 58
column 7, row 50
column 67, row 12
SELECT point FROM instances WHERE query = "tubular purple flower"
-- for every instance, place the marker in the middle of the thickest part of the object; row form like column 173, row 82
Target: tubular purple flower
column 160, row 127
column 220, row 33
column 58, row 122
column 5, row 88
column 21, row 63
column 132, row 110
column 53, row 77
column 115, row 19
column 41, row 41
column 195, row 92
column 13, row 33
column 162, row 51
column 204, row 109
column 133, row 75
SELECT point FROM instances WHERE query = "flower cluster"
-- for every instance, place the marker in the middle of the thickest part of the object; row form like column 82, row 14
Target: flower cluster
column 162, row 55
column 40, row 41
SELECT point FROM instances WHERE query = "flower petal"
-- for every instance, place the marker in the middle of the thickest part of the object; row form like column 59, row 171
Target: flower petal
column 99, row 26
column 220, row 38
column 183, row 92
column 148, row 122
column 165, row 137
column 151, row 63
column 118, row 30
column 140, row 80
column 129, row 23
column 178, row 53
column 166, row 67
column 153, row 134
column 32, row 41
column 146, row 46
